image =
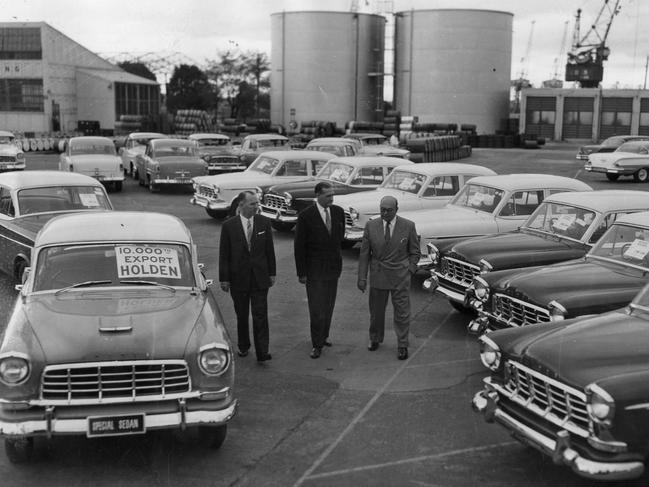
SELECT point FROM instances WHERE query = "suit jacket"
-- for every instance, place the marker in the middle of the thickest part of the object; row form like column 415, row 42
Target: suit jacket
column 246, row 269
column 317, row 253
column 389, row 265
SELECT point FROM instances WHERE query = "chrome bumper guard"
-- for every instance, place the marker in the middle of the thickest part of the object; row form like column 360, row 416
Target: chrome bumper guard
column 212, row 205
column 559, row 448
column 354, row 234
column 278, row 216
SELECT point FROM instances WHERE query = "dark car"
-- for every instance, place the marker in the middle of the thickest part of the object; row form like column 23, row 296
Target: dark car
column 606, row 278
column 564, row 227
column 216, row 150
column 283, row 202
column 608, row 145
column 575, row 390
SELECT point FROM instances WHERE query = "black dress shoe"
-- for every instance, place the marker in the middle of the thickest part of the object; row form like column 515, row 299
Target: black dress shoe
column 402, row 353
column 373, row 346
column 263, row 358
column 242, row 353
column 315, row 353
column 327, row 343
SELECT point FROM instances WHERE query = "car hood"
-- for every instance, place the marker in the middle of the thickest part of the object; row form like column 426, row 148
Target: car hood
column 451, row 221
column 378, row 150
column 68, row 325
column 244, row 179
column 367, row 202
column 305, row 188
column 607, row 159
column 8, row 150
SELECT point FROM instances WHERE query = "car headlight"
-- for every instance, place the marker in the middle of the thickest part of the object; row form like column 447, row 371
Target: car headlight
column 216, row 190
column 485, row 266
column 289, row 198
column 433, row 253
column 354, row 214
column 481, row 289
column 260, row 193
column 20, row 156
column 557, row 311
column 490, row 354
column 14, row 369
column 213, row 360
column 599, row 404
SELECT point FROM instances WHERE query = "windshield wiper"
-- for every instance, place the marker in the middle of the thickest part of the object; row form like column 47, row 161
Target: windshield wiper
column 149, row 283
column 81, row 284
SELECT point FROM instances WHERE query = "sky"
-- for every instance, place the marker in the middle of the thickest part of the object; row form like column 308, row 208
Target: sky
column 200, row 29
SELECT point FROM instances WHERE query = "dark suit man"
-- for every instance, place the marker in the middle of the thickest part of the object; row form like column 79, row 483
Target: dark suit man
column 319, row 232
column 247, row 270
column 390, row 249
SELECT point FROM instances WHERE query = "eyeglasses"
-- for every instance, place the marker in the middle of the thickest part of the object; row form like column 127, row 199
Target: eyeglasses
column 388, row 210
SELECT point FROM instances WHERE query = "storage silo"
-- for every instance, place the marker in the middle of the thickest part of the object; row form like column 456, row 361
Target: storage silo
column 326, row 66
column 453, row 66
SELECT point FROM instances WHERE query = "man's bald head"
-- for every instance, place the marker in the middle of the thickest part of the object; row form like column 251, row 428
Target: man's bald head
column 388, row 208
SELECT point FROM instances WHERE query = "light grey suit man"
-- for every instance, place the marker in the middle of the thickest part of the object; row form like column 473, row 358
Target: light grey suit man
column 390, row 250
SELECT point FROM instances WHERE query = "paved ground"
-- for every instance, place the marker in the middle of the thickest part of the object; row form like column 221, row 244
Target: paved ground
column 349, row 418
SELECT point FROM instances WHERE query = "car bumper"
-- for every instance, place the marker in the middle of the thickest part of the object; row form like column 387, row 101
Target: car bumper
column 209, row 203
column 171, row 180
column 354, row 234
column 559, row 448
column 12, row 166
column 609, row 170
column 581, row 157
column 221, row 168
column 277, row 215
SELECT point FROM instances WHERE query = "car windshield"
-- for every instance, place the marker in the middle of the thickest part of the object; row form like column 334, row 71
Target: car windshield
column 405, row 181
column 478, row 197
column 561, row 219
column 633, row 148
column 264, row 164
column 174, row 150
column 5, row 139
column 140, row 142
column 82, row 148
column 624, row 243
column 212, row 142
column 337, row 150
column 62, row 198
column 336, row 171
column 114, row 264
column 276, row 143
column 374, row 140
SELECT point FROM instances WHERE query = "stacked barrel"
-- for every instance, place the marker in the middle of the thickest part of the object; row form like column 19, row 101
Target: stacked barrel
column 190, row 121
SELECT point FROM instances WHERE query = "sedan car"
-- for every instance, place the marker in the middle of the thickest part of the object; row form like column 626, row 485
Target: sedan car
column 115, row 333
column 377, row 145
column 169, row 162
column 339, row 146
column 575, row 390
column 608, row 145
column 254, row 144
column 95, row 157
column 216, row 150
column 487, row 204
column 12, row 158
column 416, row 186
column 282, row 202
column 564, row 227
column 31, row 198
column 134, row 146
column 606, row 278
column 630, row 159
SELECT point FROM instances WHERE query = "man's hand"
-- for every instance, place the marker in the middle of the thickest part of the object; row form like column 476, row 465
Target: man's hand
column 362, row 285
column 272, row 281
column 225, row 286
column 302, row 279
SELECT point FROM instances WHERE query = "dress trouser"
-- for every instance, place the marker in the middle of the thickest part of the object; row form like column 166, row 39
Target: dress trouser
column 254, row 301
column 400, row 302
column 321, row 294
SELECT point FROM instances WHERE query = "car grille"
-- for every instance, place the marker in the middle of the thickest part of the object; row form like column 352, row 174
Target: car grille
column 458, row 271
column 516, row 312
column 7, row 158
column 275, row 201
column 547, row 397
column 206, row 191
column 114, row 381
column 348, row 219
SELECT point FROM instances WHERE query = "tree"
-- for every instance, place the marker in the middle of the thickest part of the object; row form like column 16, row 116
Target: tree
column 139, row 69
column 189, row 88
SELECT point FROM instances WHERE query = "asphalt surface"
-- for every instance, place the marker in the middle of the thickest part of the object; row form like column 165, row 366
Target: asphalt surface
column 351, row 417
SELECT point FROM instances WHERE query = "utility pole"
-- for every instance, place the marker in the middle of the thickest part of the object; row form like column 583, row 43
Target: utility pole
column 646, row 65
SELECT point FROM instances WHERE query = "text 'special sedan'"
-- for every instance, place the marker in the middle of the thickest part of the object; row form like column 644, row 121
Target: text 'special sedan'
column 95, row 157
column 29, row 199
column 605, row 279
column 115, row 332
column 12, row 157
column 630, row 159
column 564, row 227
column 575, row 390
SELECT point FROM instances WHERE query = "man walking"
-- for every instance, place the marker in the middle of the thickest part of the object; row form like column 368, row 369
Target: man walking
column 247, row 270
column 390, row 249
column 318, row 236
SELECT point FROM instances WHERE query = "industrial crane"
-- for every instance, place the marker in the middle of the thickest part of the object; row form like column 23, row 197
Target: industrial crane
column 588, row 53
column 556, row 82
column 522, row 81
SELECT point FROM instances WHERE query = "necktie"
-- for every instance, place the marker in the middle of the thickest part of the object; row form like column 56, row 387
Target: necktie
column 387, row 232
column 327, row 220
column 249, row 231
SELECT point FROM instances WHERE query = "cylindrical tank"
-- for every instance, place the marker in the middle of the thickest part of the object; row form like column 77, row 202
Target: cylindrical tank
column 326, row 66
column 453, row 66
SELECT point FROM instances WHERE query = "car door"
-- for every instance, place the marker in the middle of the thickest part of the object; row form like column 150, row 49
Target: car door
column 516, row 208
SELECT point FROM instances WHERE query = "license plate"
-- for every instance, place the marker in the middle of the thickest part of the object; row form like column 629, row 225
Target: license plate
column 132, row 424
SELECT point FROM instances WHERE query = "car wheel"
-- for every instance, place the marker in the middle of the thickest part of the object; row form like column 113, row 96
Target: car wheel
column 281, row 226
column 152, row 187
column 612, row 177
column 347, row 244
column 212, row 436
column 19, row 450
column 641, row 175
column 218, row 214
column 118, row 185
column 461, row 308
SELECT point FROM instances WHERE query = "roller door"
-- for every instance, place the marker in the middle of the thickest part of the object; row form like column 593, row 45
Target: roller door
column 578, row 117
column 540, row 116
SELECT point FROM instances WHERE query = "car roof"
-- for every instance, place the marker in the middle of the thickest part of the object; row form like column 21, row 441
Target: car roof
column 636, row 143
column 207, row 136
column 330, row 140
column 4, row 133
column 628, row 137
column 91, row 138
column 113, row 226
column 144, row 135
column 530, row 180
column 603, row 200
column 362, row 135
column 640, row 219
column 297, row 154
column 28, row 179
column 265, row 137
column 371, row 161
column 169, row 141
column 437, row 168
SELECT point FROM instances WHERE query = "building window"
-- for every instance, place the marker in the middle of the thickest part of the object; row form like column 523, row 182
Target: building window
column 20, row 43
column 542, row 117
column 21, row 95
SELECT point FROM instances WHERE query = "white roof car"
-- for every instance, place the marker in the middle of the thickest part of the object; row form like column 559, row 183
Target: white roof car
column 95, row 157
column 134, row 146
column 12, row 158
column 630, row 159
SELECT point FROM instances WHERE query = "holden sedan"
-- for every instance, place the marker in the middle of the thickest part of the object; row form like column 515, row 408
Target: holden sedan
column 216, row 150
column 282, row 202
column 218, row 193
column 575, row 390
column 339, row 146
column 606, row 278
column 630, row 159
column 95, row 157
column 169, row 162
column 415, row 186
column 254, row 144
column 28, row 199
column 134, row 146
column 377, row 145
column 115, row 333
column 564, row 227
column 12, row 157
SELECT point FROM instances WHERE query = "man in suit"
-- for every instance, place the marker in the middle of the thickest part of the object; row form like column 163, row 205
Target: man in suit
column 247, row 270
column 318, row 235
column 390, row 249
